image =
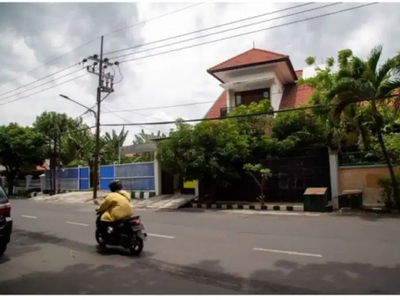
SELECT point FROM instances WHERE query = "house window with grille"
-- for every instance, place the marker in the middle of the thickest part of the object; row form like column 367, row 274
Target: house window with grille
column 248, row 97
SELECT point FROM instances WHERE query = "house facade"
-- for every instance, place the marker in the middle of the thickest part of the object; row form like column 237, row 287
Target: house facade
column 256, row 75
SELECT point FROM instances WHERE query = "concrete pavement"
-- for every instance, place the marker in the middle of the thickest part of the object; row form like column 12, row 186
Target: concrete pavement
column 258, row 253
column 36, row 264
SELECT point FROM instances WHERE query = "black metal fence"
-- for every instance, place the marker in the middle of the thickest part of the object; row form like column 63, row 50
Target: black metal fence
column 290, row 178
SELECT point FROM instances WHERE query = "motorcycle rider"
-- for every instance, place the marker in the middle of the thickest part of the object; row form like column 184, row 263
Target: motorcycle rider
column 116, row 206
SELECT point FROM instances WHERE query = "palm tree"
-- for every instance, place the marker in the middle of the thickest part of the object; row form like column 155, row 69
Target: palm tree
column 360, row 80
column 112, row 144
column 142, row 137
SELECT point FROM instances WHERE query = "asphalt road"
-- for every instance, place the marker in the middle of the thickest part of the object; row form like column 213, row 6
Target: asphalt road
column 53, row 250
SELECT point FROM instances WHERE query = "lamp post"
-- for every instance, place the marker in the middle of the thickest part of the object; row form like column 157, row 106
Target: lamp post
column 80, row 104
column 96, row 159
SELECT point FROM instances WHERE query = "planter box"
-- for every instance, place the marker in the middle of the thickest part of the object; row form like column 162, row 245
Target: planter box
column 316, row 199
column 351, row 198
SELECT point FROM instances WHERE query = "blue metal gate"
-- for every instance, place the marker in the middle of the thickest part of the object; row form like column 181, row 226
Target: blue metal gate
column 70, row 179
column 134, row 177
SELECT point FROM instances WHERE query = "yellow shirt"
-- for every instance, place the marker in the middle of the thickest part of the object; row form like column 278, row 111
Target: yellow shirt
column 116, row 206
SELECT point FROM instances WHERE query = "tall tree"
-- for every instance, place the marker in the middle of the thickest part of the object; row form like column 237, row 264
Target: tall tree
column 19, row 146
column 111, row 146
column 367, row 80
column 356, row 81
column 54, row 126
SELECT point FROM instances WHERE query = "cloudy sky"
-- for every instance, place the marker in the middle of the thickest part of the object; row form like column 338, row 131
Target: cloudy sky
column 34, row 34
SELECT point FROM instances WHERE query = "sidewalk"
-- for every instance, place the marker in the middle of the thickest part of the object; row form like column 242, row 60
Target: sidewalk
column 158, row 202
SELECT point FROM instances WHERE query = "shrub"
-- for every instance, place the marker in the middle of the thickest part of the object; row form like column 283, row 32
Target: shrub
column 385, row 184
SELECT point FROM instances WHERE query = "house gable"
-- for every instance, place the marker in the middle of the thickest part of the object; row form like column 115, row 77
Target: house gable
column 258, row 69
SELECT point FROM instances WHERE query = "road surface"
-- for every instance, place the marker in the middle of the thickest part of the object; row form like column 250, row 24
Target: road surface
column 53, row 251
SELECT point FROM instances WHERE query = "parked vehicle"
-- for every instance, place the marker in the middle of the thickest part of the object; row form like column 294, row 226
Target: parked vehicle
column 5, row 221
column 128, row 233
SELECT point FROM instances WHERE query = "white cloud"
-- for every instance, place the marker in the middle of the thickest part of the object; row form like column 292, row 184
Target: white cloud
column 178, row 77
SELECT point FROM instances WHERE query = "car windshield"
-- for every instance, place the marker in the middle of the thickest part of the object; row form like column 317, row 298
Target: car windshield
column 3, row 197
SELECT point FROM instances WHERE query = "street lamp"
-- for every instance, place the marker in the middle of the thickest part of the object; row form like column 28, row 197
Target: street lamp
column 80, row 104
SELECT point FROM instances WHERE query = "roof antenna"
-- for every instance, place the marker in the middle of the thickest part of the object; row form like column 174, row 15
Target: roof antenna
column 254, row 45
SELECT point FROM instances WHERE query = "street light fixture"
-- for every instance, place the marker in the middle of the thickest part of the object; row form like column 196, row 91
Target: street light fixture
column 80, row 104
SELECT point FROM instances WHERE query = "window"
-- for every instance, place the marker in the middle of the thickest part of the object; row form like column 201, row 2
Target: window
column 238, row 99
column 3, row 197
column 248, row 97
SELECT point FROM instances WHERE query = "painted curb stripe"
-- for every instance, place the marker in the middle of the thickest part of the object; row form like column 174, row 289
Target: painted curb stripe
column 248, row 207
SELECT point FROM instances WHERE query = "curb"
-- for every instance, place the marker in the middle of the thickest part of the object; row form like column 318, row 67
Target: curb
column 142, row 195
column 252, row 207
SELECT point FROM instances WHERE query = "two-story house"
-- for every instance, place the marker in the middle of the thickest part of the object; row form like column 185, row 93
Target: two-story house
column 256, row 75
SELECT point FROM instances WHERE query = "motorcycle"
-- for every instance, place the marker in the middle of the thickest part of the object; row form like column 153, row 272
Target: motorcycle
column 128, row 233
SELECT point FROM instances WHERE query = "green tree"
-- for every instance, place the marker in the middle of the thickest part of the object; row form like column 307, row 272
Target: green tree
column 207, row 150
column 143, row 138
column 54, row 126
column 360, row 80
column 259, row 174
column 111, row 144
column 77, row 148
column 19, row 146
column 351, row 119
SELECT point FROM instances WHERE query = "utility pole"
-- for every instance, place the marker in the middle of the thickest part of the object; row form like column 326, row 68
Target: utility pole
column 55, row 166
column 106, row 82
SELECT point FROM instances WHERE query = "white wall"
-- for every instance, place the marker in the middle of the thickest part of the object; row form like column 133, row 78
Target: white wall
column 276, row 94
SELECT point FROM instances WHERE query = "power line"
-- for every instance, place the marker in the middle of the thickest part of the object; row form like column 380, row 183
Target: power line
column 212, row 27
column 47, row 62
column 170, row 106
column 35, row 87
column 129, row 121
column 15, row 100
column 234, row 36
column 126, row 119
column 163, row 107
column 91, row 41
column 248, row 115
column 247, row 33
column 155, row 18
column 226, row 30
column 55, row 73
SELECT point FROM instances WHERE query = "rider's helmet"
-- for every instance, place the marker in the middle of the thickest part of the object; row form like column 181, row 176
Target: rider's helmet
column 115, row 186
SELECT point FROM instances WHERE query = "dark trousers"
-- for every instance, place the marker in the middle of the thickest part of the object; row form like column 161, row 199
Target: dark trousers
column 102, row 225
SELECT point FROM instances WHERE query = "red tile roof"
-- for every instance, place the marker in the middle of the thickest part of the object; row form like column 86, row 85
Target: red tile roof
column 252, row 56
column 214, row 111
column 294, row 95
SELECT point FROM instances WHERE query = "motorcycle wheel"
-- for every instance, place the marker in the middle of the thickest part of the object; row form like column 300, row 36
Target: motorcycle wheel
column 136, row 246
column 100, row 239
column 3, row 247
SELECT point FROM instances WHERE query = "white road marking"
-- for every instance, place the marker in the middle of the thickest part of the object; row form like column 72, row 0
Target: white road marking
column 287, row 252
column 29, row 217
column 161, row 236
column 79, row 224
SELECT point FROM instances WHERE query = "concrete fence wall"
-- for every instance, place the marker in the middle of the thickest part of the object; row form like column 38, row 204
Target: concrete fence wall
column 363, row 178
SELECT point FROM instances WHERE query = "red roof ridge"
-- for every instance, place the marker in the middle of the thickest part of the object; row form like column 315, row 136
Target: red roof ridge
column 279, row 55
column 271, row 52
